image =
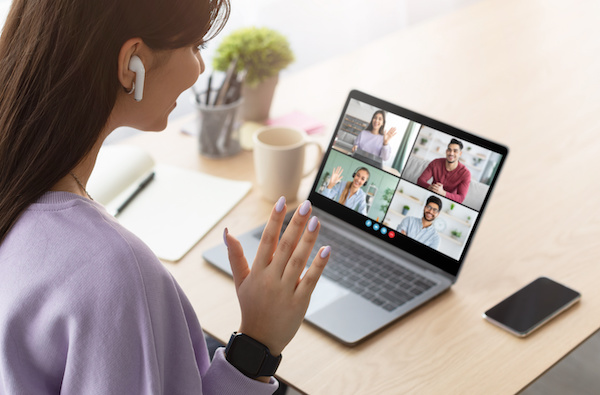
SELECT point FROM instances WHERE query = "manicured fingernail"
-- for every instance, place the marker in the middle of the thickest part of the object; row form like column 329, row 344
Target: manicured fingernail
column 225, row 232
column 325, row 252
column 280, row 204
column 304, row 208
column 312, row 224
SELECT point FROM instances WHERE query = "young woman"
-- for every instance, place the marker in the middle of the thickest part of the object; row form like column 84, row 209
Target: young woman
column 85, row 306
column 349, row 194
column 374, row 139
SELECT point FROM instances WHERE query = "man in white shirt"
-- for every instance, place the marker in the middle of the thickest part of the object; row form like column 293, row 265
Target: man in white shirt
column 421, row 229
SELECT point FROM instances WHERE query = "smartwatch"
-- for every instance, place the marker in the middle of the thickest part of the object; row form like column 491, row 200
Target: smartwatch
column 250, row 357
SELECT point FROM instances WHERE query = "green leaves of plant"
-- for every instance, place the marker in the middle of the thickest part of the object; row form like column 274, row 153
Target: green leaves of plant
column 263, row 52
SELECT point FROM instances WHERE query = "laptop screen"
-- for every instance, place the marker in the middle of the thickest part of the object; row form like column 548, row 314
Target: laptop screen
column 416, row 183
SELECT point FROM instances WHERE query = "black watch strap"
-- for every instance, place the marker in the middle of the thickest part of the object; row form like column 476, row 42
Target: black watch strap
column 251, row 357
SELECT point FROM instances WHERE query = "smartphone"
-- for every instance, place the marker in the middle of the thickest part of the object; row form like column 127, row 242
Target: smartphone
column 532, row 306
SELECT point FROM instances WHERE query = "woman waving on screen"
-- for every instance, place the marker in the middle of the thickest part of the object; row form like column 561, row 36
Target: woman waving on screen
column 374, row 139
column 349, row 194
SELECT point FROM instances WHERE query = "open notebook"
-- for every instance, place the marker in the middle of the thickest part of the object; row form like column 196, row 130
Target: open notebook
column 174, row 211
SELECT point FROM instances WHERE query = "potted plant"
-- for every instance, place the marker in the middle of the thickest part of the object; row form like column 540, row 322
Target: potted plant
column 262, row 52
column 387, row 199
column 405, row 209
column 456, row 234
column 326, row 178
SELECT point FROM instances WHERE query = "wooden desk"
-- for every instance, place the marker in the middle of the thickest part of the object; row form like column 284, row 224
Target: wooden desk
column 523, row 72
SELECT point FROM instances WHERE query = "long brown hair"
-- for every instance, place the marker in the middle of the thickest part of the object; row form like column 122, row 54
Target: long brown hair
column 58, row 80
column 382, row 127
column 346, row 190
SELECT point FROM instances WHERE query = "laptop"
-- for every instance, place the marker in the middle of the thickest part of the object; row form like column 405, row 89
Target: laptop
column 368, row 158
column 397, row 241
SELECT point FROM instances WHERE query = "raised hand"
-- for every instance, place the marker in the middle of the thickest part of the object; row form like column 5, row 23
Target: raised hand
column 387, row 136
column 336, row 176
column 273, row 296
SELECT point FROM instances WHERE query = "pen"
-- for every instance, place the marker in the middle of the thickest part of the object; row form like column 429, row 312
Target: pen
column 139, row 189
column 235, row 89
column 220, row 100
column 240, row 82
column 208, row 90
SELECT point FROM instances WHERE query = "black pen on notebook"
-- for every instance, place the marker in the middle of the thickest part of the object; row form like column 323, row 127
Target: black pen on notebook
column 137, row 191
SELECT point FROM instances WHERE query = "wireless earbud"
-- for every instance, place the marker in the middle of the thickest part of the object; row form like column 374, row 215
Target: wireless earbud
column 136, row 65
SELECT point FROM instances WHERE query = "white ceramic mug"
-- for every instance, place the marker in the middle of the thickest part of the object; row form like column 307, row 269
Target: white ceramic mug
column 279, row 161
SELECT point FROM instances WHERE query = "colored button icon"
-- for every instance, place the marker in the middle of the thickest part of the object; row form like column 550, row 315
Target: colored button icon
column 383, row 230
column 376, row 226
column 391, row 234
column 369, row 223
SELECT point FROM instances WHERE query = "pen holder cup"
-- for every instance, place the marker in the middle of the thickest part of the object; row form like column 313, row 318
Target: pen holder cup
column 219, row 129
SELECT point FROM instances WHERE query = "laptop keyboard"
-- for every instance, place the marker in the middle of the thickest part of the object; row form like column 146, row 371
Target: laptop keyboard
column 369, row 274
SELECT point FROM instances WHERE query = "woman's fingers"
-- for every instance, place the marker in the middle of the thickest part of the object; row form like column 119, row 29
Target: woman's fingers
column 309, row 281
column 336, row 175
column 297, row 261
column 239, row 264
column 270, row 236
column 291, row 236
column 274, row 300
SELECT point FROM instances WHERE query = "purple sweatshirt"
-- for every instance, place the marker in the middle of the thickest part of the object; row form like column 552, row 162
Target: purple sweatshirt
column 373, row 144
column 87, row 308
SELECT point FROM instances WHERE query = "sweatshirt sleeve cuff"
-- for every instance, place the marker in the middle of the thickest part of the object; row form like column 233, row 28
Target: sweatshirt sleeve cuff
column 224, row 378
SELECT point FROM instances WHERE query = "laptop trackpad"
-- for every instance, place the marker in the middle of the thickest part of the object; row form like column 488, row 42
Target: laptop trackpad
column 326, row 292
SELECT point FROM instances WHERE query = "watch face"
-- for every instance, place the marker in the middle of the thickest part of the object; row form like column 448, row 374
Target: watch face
column 247, row 355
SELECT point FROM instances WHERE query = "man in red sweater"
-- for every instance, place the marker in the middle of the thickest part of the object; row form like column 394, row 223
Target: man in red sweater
column 450, row 177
